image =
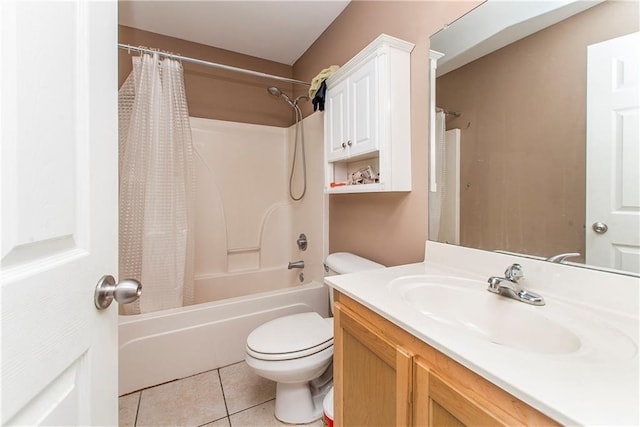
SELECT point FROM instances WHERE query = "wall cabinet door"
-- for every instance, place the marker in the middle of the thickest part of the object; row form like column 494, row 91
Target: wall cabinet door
column 363, row 102
column 352, row 109
column 336, row 122
column 372, row 377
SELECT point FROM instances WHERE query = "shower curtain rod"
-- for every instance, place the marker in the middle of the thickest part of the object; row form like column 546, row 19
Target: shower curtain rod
column 450, row 113
column 212, row 64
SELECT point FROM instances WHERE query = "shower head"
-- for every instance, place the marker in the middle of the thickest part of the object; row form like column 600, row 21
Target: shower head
column 277, row 92
column 274, row 91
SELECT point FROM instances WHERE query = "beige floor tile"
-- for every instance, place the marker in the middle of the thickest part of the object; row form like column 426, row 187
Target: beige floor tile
column 263, row 416
column 191, row 401
column 127, row 409
column 243, row 388
column 224, row 422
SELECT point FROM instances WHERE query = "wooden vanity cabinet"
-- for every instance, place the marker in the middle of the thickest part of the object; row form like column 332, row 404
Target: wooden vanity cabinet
column 375, row 375
column 384, row 376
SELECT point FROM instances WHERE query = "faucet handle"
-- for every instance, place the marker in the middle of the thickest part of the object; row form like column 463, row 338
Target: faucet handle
column 494, row 284
column 514, row 272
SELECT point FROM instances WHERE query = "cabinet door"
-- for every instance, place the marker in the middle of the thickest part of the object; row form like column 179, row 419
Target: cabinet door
column 336, row 122
column 363, row 101
column 372, row 376
column 439, row 403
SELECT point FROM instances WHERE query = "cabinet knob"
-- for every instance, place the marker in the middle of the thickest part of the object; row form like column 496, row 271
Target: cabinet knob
column 344, row 145
column 349, row 143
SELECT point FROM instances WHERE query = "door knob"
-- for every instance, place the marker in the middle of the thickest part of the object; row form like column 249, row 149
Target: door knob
column 125, row 292
column 600, row 227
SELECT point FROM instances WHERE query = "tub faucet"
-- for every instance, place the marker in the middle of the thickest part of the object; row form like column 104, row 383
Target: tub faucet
column 508, row 286
column 295, row 264
column 560, row 258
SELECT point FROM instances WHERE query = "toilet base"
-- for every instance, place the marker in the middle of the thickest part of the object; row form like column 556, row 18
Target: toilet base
column 299, row 403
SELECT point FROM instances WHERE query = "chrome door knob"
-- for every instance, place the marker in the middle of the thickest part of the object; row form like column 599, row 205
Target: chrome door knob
column 600, row 227
column 125, row 292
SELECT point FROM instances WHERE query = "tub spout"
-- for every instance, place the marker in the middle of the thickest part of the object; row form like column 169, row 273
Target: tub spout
column 295, row 264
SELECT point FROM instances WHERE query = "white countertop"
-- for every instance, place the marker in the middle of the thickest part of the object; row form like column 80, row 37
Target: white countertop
column 580, row 388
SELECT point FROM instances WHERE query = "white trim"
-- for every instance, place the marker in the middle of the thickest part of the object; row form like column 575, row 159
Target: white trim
column 434, row 56
column 377, row 47
column 497, row 23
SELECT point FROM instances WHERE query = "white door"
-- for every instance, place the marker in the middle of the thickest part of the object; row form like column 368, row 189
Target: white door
column 58, row 124
column 613, row 154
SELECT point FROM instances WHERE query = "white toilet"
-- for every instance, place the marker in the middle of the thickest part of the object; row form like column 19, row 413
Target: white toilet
column 296, row 352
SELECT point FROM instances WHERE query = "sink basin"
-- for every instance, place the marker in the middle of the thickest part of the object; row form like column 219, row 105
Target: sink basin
column 465, row 305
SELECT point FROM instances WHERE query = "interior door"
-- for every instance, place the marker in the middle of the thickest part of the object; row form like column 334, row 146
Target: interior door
column 58, row 123
column 613, row 154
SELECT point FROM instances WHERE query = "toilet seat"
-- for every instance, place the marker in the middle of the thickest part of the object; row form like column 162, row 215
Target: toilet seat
column 291, row 337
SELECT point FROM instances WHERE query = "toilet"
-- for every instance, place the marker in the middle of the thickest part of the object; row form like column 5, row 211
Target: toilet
column 296, row 352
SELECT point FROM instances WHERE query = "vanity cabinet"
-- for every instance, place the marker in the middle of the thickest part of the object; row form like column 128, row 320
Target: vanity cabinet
column 375, row 375
column 367, row 118
column 384, row 376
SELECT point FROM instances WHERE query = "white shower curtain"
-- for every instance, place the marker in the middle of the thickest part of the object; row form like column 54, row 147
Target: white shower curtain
column 156, row 185
column 437, row 198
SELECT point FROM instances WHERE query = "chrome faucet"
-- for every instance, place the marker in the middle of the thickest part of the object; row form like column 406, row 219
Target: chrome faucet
column 295, row 264
column 508, row 286
column 560, row 258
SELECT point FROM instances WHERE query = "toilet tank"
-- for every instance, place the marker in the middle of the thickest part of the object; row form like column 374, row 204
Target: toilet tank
column 345, row 263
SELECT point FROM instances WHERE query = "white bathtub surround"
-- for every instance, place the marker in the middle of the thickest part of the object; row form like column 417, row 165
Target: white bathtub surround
column 592, row 385
column 163, row 346
column 245, row 220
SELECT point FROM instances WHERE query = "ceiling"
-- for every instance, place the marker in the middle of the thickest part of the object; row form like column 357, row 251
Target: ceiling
column 279, row 31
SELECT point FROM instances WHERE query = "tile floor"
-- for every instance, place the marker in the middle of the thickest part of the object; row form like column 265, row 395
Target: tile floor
column 231, row 396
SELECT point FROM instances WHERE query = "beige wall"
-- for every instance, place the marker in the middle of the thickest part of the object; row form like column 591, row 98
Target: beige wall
column 218, row 94
column 523, row 155
column 388, row 228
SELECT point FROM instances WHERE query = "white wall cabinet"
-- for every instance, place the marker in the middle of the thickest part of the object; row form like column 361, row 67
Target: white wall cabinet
column 353, row 106
column 368, row 120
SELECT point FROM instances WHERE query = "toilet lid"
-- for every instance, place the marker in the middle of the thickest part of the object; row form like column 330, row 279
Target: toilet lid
column 290, row 337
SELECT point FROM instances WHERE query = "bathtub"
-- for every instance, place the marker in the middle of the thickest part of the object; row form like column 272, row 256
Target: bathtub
column 158, row 347
column 216, row 287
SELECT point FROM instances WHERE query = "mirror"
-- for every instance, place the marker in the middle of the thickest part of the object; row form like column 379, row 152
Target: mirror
column 522, row 173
